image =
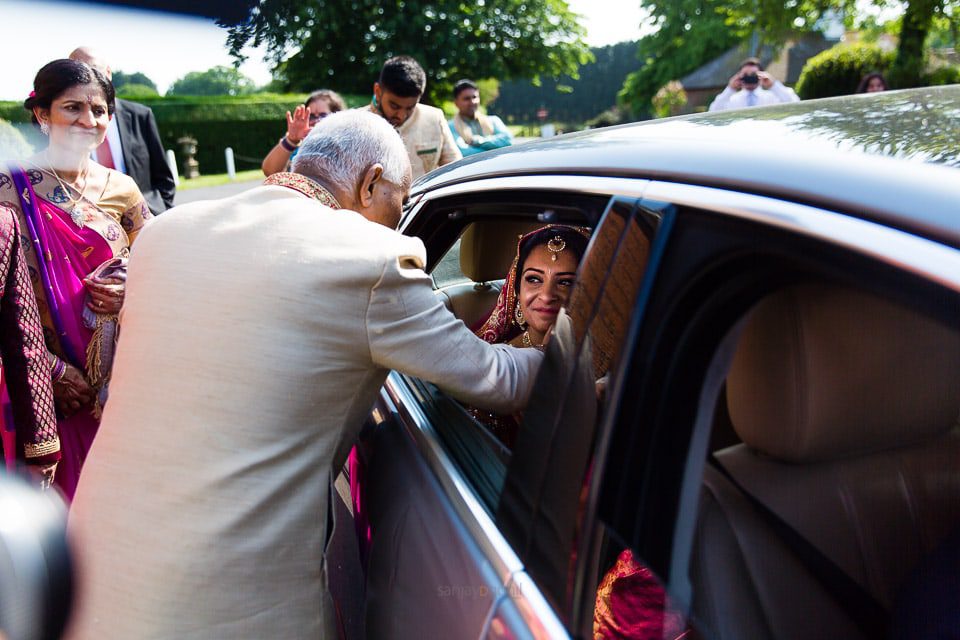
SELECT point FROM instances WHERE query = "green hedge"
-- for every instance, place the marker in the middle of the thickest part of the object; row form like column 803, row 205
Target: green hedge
column 838, row 70
column 251, row 125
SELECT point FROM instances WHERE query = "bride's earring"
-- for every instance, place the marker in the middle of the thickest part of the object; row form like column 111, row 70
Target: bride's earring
column 518, row 316
column 44, row 128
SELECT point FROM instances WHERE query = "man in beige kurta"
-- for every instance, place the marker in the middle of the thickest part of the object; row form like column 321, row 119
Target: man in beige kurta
column 424, row 129
column 256, row 332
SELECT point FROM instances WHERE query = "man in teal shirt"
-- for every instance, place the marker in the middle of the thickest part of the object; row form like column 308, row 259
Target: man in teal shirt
column 473, row 131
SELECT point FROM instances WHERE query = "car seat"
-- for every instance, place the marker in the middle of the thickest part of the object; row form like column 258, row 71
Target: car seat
column 847, row 407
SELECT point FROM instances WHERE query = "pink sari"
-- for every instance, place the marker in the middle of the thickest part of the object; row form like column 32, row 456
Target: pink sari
column 66, row 255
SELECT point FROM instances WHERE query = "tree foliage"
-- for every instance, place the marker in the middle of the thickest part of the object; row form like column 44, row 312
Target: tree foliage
column 121, row 80
column 909, row 66
column 570, row 100
column 343, row 44
column 692, row 32
column 218, row 81
column 838, row 70
column 688, row 34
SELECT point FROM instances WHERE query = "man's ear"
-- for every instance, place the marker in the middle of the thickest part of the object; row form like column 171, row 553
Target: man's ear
column 368, row 183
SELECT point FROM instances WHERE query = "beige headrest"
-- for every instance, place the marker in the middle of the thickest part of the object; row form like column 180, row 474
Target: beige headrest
column 823, row 372
column 487, row 248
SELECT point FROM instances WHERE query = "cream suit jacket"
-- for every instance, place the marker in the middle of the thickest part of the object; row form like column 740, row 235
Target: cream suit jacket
column 255, row 335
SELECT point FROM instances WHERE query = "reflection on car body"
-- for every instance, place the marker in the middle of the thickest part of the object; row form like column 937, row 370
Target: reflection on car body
column 777, row 329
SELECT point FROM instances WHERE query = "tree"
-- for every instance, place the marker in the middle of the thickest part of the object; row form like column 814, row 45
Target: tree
column 121, row 80
column 218, row 81
column 314, row 43
column 688, row 34
column 571, row 100
column 909, row 66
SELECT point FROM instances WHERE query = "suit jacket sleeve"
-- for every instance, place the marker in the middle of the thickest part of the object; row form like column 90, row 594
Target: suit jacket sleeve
column 161, row 179
column 410, row 330
column 144, row 155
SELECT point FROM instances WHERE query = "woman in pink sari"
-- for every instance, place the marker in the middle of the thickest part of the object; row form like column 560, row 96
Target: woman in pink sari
column 78, row 220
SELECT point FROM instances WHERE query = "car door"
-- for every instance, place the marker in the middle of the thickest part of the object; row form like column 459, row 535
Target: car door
column 728, row 256
column 445, row 552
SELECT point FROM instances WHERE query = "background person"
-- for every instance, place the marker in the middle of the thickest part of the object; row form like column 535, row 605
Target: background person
column 133, row 144
column 473, row 131
column 205, row 517
column 424, row 130
column 78, row 217
column 751, row 86
column 871, row 83
column 315, row 108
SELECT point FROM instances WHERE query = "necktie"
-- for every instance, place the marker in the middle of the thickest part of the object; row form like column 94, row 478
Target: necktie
column 751, row 98
column 104, row 156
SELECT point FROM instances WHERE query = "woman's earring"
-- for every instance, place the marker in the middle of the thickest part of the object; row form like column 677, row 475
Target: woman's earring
column 44, row 128
column 518, row 316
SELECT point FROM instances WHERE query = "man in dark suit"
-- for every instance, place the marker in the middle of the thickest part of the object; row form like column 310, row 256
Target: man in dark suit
column 133, row 144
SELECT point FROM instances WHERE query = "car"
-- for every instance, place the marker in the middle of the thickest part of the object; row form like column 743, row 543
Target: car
column 771, row 297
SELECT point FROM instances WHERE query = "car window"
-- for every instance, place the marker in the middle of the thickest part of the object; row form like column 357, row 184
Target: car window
column 468, row 279
column 550, row 465
column 448, row 271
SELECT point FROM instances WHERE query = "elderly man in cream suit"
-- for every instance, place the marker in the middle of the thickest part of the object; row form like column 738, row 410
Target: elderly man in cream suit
column 257, row 331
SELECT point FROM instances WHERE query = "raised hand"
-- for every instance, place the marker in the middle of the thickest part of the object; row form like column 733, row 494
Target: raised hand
column 298, row 124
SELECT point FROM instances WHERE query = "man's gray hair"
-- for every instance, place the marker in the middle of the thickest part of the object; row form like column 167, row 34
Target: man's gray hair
column 345, row 144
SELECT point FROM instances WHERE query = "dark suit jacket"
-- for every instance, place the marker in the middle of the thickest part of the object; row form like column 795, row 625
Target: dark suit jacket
column 143, row 154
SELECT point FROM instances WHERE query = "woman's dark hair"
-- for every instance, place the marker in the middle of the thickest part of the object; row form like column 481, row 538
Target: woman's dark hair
column 574, row 240
column 332, row 97
column 865, row 82
column 403, row 77
column 56, row 77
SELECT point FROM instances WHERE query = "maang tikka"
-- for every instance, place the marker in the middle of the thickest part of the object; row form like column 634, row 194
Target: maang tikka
column 555, row 246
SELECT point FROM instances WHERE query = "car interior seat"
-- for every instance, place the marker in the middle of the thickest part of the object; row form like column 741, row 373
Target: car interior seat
column 847, row 407
column 487, row 249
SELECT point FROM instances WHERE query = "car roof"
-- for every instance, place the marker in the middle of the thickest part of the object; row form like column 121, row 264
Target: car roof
column 893, row 157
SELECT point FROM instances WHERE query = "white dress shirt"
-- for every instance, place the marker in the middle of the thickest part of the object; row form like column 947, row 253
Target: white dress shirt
column 116, row 148
column 730, row 99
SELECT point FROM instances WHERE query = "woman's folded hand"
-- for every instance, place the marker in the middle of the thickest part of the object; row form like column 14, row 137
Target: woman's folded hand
column 72, row 391
column 106, row 296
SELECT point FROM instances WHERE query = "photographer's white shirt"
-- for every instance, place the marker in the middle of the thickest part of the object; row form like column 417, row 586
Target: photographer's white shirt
column 730, row 99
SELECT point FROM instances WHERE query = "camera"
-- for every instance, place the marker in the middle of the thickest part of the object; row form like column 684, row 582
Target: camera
column 750, row 78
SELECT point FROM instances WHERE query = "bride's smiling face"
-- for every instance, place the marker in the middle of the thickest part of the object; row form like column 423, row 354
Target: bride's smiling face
column 545, row 286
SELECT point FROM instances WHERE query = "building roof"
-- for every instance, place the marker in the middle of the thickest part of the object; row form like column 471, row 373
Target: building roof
column 786, row 64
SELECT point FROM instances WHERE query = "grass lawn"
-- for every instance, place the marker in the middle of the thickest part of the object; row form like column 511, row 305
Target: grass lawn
column 218, row 179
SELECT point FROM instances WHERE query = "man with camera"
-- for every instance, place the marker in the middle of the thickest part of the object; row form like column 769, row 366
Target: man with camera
column 751, row 86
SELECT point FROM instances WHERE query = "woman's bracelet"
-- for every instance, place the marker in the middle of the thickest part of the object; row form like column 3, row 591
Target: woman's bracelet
column 58, row 369
column 289, row 146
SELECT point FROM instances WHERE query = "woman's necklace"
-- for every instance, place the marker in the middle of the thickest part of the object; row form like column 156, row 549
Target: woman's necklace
column 527, row 342
column 76, row 213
